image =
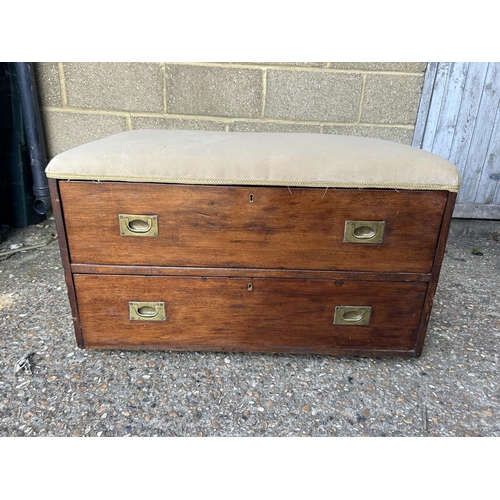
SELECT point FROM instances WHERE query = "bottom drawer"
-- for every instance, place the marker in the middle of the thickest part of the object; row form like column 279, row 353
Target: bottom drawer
column 238, row 314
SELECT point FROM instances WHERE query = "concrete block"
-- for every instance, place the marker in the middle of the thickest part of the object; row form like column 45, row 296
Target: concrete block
column 312, row 95
column 391, row 99
column 395, row 134
column 273, row 127
column 304, row 64
column 48, row 84
column 64, row 131
column 115, row 86
column 213, row 91
column 407, row 67
column 143, row 122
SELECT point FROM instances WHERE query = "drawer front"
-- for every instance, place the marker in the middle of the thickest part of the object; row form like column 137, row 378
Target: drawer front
column 238, row 314
column 246, row 227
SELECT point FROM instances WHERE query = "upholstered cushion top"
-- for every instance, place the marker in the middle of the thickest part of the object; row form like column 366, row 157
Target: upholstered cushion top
column 247, row 158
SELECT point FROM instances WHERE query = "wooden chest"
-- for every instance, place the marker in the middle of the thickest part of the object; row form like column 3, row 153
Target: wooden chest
column 302, row 243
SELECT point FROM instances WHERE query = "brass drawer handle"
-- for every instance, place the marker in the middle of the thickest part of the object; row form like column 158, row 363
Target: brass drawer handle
column 352, row 315
column 364, row 231
column 147, row 311
column 138, row 225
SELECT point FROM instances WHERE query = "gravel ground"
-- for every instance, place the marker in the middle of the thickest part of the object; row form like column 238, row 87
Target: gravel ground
column 451, row 390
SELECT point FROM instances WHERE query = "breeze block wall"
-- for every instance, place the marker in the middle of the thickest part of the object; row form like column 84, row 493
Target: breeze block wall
column 81, row 102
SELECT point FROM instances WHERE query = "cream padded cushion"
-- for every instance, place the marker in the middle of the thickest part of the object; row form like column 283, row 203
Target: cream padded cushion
column 248, row 158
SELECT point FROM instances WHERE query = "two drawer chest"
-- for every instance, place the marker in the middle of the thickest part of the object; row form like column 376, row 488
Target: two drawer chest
column 266, row 242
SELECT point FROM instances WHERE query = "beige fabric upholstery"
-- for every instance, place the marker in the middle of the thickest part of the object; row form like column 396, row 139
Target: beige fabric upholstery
column 247, row 158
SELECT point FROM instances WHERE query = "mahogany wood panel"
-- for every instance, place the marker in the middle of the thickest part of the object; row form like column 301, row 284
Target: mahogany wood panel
column 218, row 226
column 292, row 315
column 243, row 272
column 429, row 299
column 63, row 248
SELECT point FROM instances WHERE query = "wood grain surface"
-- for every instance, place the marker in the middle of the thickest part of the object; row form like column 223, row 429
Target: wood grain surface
column 429, row 299
column 245, row 272
column 221, row 314
column 63, row 248
column 247, row 227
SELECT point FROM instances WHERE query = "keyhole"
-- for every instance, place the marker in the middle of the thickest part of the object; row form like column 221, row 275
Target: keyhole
column 250, row 198
column 249, row 287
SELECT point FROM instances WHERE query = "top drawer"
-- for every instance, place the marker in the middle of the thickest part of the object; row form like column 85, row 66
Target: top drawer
column 251, row 227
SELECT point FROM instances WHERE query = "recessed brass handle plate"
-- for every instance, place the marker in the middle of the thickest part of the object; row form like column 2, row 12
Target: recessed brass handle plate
column 352, row 315
column 364, row 231
column 138, row 225
column 147, row 311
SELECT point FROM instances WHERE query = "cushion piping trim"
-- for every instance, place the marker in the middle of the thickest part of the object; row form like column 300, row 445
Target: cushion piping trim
column 255, row 182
